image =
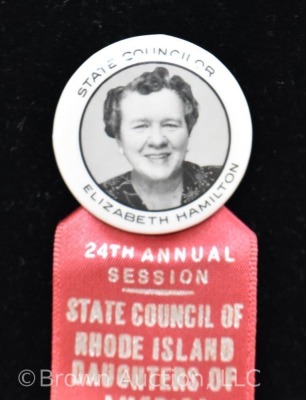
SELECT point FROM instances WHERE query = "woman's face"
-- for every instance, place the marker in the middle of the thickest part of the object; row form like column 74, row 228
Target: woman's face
column 154, row 134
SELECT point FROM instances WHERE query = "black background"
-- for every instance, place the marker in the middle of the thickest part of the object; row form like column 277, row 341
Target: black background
column 263, row 44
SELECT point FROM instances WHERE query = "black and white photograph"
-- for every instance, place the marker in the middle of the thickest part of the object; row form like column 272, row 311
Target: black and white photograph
column 155, row 136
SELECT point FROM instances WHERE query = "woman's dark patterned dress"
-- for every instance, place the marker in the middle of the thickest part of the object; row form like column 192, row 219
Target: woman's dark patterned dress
column 196, row 181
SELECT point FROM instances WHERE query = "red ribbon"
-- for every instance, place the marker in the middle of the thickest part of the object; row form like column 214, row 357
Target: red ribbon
column 154, row 317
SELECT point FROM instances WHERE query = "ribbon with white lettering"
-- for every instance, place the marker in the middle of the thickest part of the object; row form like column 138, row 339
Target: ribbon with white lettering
column 154, row 317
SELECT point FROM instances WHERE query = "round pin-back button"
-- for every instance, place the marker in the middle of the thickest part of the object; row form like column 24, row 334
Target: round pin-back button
column 152, row 134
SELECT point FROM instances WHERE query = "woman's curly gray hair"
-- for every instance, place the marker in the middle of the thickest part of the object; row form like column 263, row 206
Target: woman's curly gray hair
column 145, row 84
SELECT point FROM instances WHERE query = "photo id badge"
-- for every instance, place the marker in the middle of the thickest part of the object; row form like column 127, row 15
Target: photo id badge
column 152, row 134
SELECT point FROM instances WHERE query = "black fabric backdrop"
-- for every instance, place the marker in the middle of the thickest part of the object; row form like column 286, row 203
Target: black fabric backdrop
column 263, row 45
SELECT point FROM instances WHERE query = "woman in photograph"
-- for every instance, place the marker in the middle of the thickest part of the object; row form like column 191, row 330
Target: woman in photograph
column 151, row 119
